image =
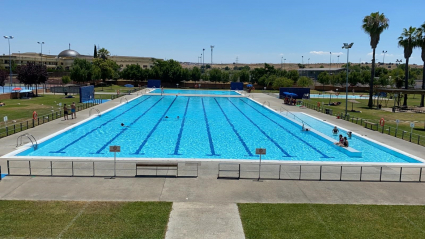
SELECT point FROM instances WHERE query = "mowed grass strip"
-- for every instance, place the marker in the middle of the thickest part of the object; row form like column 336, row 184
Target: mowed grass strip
column 49, row 219
column 332, row 221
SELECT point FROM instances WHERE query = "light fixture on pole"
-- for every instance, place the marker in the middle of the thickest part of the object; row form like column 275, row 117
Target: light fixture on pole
column 302, row 60
column 281, row 62
column 338, row 62
column 383, row 60
column 347, row 46
column 203, row 56
column 284, row 63
column 41, row 54
column 330, row 60
column 10, row 58
column 308, row 61
column 212, row 47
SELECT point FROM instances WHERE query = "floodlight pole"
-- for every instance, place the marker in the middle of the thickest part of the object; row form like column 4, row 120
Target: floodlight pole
column 10, row 59
column 212, row 47
column 41, row 54
column 281, row 62
column 203, row 57
column 383, row 60
column 347, row 46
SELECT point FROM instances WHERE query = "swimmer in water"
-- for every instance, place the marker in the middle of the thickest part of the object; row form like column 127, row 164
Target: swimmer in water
column 122, row 124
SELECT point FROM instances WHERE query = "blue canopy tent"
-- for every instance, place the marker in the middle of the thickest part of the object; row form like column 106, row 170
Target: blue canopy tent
column 129, row 85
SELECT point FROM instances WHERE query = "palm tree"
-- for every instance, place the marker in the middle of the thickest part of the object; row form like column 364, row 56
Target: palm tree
column 374, row 25
column 103, row 53
column 407, row 41
column 420, row 43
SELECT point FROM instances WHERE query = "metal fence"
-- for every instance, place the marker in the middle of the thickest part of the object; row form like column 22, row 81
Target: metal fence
column 41, row 119
column 315, row 172
column 369, row 124
column 91, row 168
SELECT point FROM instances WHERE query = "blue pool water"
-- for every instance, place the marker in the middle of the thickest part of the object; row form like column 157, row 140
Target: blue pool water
column 197, row 92
column 340, row 96
column 207, row 128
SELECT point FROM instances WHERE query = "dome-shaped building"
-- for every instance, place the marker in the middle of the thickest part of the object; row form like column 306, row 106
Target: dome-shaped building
column 68, row 53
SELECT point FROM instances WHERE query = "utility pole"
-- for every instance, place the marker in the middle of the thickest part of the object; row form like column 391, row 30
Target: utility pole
column 212, row 47
column 203, row 58
column 10, row 58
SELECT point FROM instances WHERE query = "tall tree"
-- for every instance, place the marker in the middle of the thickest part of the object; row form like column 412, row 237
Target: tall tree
column 420, row 42
column 304, row 81
column 3, row 77
column 95, row 52
column 132, row 72
column 107, row 68
column 407, row 41
column 196, row 74
column 215, row 75
column 81, row 70
column 324, row 79
column 374, row 24
column 103, row 53
column 32, row 74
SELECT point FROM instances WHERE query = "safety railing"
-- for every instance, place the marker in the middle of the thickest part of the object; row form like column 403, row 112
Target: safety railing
column 123, row 99
column 17, row 127
column 317, row 172
column 397, row 132
column 97, row 111
column 31, row 138
column 90, row 168
column 283, row 109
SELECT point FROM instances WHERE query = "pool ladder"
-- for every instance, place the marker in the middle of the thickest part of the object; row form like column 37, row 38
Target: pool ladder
column 98, row 112
column 122, row 99
column 266, row 103
column 30, row 137
column 293, row 115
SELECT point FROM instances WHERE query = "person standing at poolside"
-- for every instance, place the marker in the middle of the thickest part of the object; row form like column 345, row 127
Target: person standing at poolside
column 65, row 112
column 73, row 109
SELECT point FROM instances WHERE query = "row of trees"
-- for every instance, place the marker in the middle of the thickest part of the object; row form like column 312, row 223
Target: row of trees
column 412, row 37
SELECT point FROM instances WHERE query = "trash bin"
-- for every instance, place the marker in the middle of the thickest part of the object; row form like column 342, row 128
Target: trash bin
column 379, row 106
column 327, row 111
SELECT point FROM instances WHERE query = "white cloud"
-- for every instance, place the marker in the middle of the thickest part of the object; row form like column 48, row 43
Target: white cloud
column 281, row 54
column 325, row 53
column 370, row 53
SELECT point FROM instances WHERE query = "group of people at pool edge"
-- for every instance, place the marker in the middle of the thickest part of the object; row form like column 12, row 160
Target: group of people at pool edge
column 343, row 141
column 66, row 113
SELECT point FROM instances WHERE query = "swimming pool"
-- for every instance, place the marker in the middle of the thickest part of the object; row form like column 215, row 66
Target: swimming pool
column 206, row 128
column 197, row 92
column 340, row 96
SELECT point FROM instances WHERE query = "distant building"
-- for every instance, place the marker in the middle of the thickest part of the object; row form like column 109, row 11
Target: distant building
column 66, row 58
column 313, row 73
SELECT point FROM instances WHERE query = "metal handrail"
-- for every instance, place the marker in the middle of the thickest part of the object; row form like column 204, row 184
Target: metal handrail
column 98, row 112
column 295, row 117
column 30, row 137
column 266, row 102
column 122, row 99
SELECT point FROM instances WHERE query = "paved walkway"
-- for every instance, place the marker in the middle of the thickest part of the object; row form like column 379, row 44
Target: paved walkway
column 204, row 220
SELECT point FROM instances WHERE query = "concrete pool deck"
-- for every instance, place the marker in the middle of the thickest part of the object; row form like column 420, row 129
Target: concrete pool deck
column 206, row 192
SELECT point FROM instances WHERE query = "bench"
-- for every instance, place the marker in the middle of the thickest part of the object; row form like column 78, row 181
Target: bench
column 158, row 166
column 371, row 124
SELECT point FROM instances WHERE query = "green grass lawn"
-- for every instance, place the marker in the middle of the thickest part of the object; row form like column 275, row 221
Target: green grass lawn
column 22, row 109
column 113, row 88
column 332, row 221
column 374, row 115
column 49, row 219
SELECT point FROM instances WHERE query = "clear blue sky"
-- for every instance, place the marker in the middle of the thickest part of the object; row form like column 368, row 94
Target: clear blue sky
column 253, row 31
